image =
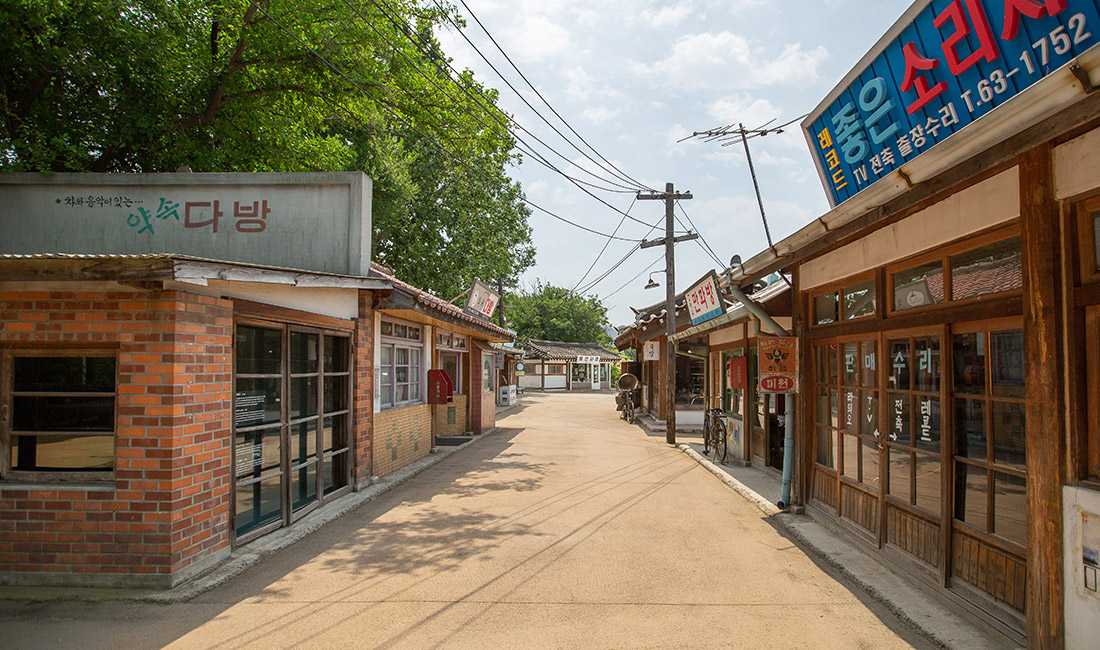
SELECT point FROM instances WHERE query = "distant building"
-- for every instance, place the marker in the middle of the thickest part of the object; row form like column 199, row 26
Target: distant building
column 554, row 365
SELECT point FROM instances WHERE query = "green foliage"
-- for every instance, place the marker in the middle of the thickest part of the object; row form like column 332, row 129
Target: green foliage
column 232, row 86
column 554, row 314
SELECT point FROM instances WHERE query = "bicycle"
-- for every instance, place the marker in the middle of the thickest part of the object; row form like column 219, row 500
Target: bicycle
column 628, row 408
column 624, row 401
column 714, row 434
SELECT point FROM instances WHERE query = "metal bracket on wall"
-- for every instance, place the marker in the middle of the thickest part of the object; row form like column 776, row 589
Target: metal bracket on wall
column 1083, row 77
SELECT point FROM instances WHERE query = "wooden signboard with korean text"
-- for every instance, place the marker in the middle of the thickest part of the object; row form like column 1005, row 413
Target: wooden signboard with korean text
column 482, row 301
column 777, row 364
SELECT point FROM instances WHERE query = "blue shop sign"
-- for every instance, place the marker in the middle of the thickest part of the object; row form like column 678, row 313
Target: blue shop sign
column 957, row 61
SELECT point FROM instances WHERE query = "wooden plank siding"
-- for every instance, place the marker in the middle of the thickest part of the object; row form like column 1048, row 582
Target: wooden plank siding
column 914, row 535
column 996, row 572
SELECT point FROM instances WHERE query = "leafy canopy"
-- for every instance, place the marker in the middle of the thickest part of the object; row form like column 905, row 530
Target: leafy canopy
column 235, row 86
column 555, row 314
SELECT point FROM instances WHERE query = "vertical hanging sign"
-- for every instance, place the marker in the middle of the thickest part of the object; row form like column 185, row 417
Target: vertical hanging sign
column 777, row 364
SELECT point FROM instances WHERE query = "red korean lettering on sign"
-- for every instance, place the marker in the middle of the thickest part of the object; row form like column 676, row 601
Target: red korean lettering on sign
column 980, row 25
column 1030, row 8
column 914, row 63
column 251, row 217
column 196, row 221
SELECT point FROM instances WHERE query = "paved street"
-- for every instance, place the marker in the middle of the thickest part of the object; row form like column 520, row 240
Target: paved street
column 567, row 528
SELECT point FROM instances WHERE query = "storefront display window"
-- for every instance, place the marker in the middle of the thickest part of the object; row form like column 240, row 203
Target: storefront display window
column 990, row 435
column 989, row 269
column 691, row 368
column 857, row 298
column 914, row 431
column 291, row 421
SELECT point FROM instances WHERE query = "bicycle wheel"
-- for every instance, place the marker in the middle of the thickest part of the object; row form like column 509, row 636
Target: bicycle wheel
column 706, row 434
column 719, row 440
column 628, row 412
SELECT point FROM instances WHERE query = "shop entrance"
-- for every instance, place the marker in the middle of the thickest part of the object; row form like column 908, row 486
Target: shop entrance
column 291, row 421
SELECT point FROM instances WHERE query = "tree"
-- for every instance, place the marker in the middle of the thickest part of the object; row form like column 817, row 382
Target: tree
column 237, row 86
column 555, row 314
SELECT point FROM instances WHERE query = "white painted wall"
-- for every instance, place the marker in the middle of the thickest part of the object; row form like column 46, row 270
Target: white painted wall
column 338, row 303
column 556, row 381
column 1075, row 165
column 1082, row 605
column 992, row 202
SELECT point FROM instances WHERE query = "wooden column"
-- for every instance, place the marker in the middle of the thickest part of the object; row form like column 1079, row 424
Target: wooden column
column 1046, row 430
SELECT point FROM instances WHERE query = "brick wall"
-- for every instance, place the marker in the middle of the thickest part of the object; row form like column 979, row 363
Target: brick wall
column 166, row 514
column 401, row 435
column 450, row 419
column 363, row 408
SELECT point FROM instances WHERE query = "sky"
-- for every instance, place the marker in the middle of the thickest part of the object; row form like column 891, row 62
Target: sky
column 633, row 78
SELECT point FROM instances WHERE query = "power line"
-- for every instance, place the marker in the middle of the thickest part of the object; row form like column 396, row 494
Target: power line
column 404, row 28
column 401, row 119
column 632, row 279
column 622, row 176
column 606, row 244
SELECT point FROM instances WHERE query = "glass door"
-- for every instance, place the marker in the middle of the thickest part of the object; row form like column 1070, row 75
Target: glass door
column 292, row 424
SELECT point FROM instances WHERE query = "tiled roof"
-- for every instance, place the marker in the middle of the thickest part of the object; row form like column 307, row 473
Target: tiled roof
column 440, row 305
column 563, row 350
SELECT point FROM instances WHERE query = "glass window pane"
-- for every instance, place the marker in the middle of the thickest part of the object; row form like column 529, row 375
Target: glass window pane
column 859, row 300
column 63, row 453
column 970, row 436
column 387, row 328
column 1007, row 364
column 928, row 424
column 335, row 472
column 257, row 401
column 821, row 413
column 989, row 269
column 900, row 464
column 900, row 365
column 303, row 352
column 1009, row 435
column 870, row 476
column 335, row 434
column 402, row 393
column 303, row 397
column 919, row 286
column 868, row 416
column 387, row 395
column 414, row 333
column 971, row 488
column 851, row 411
column 303, row 442
column 1010, row 507
column 303, row 485
column 400, row 331
column 257, row 453
column 833, row 357
column 63, row 413
column 401, row 356
column 336, row 394
column 387, row 356
column 258, row 504
column 833, row 409
column 336, row 354
column 927, row 371
column 928, row 470
column 64, row 374
column 258, row 351
column 824, row 447
column 851, row 456
column 969, row 357
column 900, row 422
column 869, row 363
column 852, row 364
column 826, row 308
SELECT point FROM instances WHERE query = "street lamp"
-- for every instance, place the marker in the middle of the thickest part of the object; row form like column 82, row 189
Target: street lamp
column 651, row 284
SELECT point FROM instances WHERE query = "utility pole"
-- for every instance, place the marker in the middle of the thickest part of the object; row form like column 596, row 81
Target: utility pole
column 669, row 197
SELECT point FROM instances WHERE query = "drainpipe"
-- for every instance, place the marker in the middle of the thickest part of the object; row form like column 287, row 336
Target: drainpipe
column 788, row 434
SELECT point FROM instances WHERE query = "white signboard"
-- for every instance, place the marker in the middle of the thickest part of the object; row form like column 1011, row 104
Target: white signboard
column 582, row 358
column 482, row 300
column 315, row 222
column 651, row 351
column 704, row 300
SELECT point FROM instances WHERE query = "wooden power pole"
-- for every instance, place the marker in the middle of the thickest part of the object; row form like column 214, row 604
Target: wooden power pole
column 669, row 240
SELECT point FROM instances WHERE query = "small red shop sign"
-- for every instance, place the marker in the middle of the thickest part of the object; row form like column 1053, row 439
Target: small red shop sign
column 737, row 373
column 777, row 384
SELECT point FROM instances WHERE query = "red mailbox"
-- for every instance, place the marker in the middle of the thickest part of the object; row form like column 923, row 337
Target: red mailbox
column 737, row 373
column 441, row 389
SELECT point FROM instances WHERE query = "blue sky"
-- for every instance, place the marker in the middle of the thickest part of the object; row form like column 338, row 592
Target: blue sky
column 635, row 76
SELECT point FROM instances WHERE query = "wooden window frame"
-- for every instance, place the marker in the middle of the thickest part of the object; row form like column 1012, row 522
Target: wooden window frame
column 943, row 255
column 406, row 343
column 549, row 368
column 7, row 417
column 285, row 375
column 837, row 288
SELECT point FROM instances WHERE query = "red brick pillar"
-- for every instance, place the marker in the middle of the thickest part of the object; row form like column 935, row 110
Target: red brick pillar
column 363, row 408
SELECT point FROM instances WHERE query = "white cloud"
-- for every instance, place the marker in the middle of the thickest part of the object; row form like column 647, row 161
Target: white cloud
column 667, row 16
column 599, row 115
column 709, row 59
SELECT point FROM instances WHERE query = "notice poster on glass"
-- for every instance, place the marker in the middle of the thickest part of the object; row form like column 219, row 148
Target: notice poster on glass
column 248, row 408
